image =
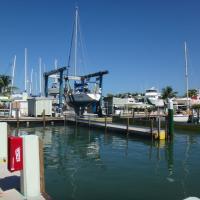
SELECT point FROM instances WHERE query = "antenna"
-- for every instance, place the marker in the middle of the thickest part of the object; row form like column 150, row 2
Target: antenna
column 25, row 69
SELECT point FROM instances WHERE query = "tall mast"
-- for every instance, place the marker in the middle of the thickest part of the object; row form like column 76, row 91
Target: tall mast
column 25, row 70
column 56, row 64
column 36, row 82
column 40, row 70
column 56, row 67
column 75, row 40
column 13, row 73
column 31, row 82
column 186, row 74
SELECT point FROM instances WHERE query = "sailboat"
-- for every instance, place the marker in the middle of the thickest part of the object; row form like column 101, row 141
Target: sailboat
column 81, row 95
column 184, row 117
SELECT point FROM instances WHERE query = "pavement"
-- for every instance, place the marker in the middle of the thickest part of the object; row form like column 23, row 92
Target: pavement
column 10, row 185
column 8, row 180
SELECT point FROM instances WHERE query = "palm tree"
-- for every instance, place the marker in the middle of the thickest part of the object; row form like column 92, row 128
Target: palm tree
column 5, row 82
column 192, row 93
column 168, row 92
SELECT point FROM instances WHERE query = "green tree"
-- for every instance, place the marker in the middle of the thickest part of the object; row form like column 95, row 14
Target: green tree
column 192, row 93
column 168, row 92
column 5, row 86
column 110, row 95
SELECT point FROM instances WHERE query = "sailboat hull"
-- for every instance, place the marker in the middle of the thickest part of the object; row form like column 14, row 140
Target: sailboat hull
column 82, row 99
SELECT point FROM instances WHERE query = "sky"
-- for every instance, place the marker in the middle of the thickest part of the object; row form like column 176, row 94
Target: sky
column 140, row 42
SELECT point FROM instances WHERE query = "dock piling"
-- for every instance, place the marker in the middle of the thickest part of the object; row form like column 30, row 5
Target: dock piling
column 151, row 127
column 158, row 122
column 127, row 127
column 105, row 122
column 27, row 124
column 43, row 116
column 170, row 119
column 65, row 119
column 133, row 113
column 17, row 116
column 41, row 155
column 76, row 120
column 3, row 141
column 89, row 121
column 158, row 126
column 166, row 127
column 30, row 175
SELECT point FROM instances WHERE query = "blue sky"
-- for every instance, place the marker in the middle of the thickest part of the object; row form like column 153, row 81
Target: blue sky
column 140, row 42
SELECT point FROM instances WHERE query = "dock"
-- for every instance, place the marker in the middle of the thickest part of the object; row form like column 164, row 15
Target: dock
column 107, row 125
column 10, row 184
column 95, row 122
column 20, row 177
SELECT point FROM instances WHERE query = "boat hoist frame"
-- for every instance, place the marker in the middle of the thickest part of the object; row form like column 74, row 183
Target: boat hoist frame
column 46, row 75
column 99, row 76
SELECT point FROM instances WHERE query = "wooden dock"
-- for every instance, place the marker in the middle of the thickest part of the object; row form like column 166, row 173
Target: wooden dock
column 29, row 121
column 100, row 123
column 107, row 125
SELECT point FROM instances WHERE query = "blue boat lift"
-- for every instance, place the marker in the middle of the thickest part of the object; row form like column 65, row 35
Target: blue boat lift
column 46, row 75
column 59, row 74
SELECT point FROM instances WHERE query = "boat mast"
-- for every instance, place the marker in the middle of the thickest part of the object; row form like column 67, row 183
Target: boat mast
column 36, row 82
column 13, row 73
column 31, row 82
column 25, row 70
column 186, row 75
column 75, row 41
column 56, row 67
column 40, row 70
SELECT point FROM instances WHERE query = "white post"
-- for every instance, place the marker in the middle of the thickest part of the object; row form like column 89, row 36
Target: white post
column 3, row 141
column 30, row 175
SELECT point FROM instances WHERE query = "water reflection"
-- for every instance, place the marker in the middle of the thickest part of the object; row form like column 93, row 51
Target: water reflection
column 76, row 156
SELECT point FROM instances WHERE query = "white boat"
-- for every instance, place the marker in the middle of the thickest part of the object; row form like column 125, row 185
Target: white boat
column 82, row 99
column 181, row 118
column 153, row 97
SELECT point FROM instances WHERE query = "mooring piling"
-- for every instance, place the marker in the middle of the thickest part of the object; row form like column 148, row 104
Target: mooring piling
column 127, row 126
column 170, row 119
column 43, row 116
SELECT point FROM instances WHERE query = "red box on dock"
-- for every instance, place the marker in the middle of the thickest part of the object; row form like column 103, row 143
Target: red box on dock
column 15, row 153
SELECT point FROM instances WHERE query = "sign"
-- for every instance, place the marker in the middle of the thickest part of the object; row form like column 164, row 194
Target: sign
column 15, row 153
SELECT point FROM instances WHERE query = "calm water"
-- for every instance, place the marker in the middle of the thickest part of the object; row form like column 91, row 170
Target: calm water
column 83, row 164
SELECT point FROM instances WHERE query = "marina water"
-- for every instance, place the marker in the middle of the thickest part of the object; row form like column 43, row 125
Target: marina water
column 83, row 163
